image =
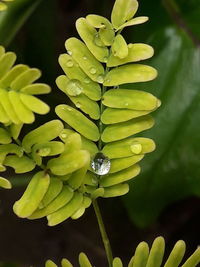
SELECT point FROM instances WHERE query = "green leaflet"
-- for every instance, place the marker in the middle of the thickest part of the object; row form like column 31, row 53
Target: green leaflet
column 126, row 129
column 85, row 59
column 120, row 177
column 130, row 99
column 67, row 211
column 119, row 47
column 88, row 34
column 33, row 195
column 5, row 137
column 131, row 73
column 4, row 183
column 136, row 52
column 44, row 133
column 123, row 11
column 19, row 164
column 78, row 121
column 145, row 257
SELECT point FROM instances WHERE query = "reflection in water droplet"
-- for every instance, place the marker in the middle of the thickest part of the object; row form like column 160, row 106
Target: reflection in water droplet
column 93, row 70
column 70, row 63
column 86, row 80
column 101, row 164
column 73, row 88
column 136, row 148
column 100, row 79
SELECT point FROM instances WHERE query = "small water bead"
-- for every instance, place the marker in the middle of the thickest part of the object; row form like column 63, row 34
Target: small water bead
column 84, row 57
column 44, row 152
column 100, row 79
column 63, row 136
column 105, row 59
column 136, row 148
column 73, row 88
column 78, row 105
column 70, row 63
column 101, row 164
column 93, row 71
column 86, row 80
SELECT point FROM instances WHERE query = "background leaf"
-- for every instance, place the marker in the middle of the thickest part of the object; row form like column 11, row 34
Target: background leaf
column 172, row 171
column 14, row 17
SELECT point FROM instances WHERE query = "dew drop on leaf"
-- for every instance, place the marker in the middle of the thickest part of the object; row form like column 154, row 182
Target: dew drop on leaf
column 100, row 79
column 74, row 88
column 93, row 70
column 70, row 63
column 84, row 57
column 136, row 148
column 86, row 80
column 43, row 152
column 101, row 164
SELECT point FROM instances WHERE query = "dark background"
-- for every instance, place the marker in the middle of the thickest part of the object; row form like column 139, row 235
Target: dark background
column 175, row 206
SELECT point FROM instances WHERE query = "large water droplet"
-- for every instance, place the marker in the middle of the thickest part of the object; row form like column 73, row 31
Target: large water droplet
column 74, row 88
column 70, row 63
column 101, row 164
column 136, row 148
column 93, row 70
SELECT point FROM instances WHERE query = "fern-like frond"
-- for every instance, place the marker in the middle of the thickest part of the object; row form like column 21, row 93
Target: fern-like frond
column 57, row 192
column 107, row 117
column 146, row 257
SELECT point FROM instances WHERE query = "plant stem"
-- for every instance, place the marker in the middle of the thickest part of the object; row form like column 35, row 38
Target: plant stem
column 104, row 235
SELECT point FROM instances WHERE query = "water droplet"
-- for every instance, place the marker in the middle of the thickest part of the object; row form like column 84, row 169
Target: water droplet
column 93, row 70
column 86, row 80
column 73, row 88
column 101, row 164
column 43, row 152
column 136, row 148
column 69, row 52
column 126, row 104
column 100, row 79
column 70, row 63
column 63, row 135
column 84, row 57
column 78, row 105
column 105, row 59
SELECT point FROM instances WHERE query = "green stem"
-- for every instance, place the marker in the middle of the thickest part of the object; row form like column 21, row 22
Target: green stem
column 104, row 235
